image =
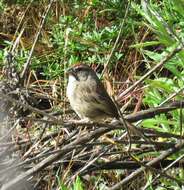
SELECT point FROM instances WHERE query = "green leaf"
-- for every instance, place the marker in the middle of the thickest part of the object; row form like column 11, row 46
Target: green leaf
column 78, row 185
column 145, row 44
column 61, row 184
column 179, row 5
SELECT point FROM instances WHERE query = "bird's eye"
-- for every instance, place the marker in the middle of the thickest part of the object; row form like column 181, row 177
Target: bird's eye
column 79, row 69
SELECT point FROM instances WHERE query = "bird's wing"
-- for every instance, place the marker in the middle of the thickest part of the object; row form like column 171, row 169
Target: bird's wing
column 107, row 101
column 100, row 100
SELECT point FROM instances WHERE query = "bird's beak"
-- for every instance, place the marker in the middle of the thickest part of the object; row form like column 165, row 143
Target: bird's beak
column 72, row 72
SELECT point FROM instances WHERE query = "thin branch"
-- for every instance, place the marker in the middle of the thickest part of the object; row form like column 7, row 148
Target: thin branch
column 150, row 113
column 156, row 160
column 26, row 66
column 117, row 39
column 44, row 163
column 160, row 64
column 173, row 163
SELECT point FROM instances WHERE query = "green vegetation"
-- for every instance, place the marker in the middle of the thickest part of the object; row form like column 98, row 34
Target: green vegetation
column 122, row 40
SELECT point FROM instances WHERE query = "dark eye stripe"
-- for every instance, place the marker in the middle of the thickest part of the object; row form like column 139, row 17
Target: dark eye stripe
column 81, row 69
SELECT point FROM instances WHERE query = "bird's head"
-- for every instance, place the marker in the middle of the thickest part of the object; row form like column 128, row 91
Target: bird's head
column 81, row 72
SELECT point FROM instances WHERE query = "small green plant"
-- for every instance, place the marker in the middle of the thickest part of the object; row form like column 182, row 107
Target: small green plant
column 77, row 185
column 165, row 20
column 2, row 5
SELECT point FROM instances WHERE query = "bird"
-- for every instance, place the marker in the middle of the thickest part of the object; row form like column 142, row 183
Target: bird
column 87, row 95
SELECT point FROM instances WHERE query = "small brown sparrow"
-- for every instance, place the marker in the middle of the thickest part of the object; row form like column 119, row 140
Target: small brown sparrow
column 87, row 95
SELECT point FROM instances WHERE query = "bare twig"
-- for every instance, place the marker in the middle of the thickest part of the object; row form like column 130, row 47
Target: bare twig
column 117, row 39
column 150, row 113
column 165, row 169
column 35, row 41
column 67, row 148
column 26, row 106
column 160, row 64
column 137, row 172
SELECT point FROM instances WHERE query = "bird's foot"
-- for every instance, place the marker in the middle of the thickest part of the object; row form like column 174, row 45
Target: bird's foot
column 115, row 122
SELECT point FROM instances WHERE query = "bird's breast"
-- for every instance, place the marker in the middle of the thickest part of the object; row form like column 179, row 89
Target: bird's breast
column 71, row 87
